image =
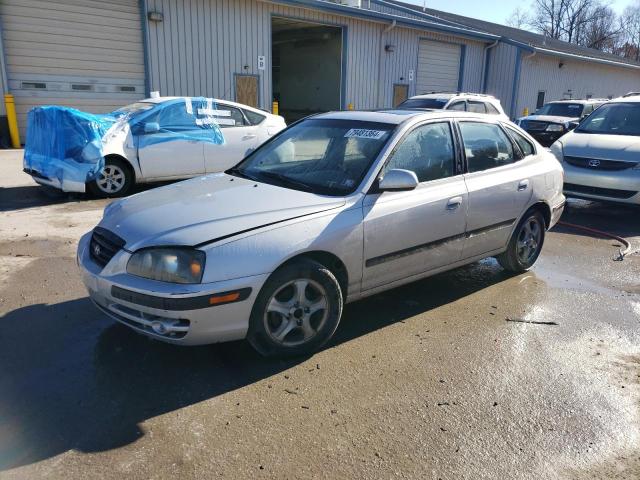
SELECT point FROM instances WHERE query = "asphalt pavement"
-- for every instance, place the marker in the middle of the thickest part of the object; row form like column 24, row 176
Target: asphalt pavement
column 471, row 374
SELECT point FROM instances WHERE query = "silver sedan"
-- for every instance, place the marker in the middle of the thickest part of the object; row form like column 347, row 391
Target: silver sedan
column 333, row 209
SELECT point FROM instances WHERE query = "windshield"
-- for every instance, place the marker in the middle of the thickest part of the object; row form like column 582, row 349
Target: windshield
column 329, row 157
column 572, row 110
column 133, row 109
column 437, row 103
column 613, row 119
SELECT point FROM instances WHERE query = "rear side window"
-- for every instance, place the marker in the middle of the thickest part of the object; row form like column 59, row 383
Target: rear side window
column 254, row 118
column 459, row 106
column 486, row 146
column 476, row 107
column 427, row 151
column 524, row 144
column 491, row 109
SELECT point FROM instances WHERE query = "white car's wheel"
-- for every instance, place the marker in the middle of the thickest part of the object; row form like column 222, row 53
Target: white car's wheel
column 115, row 180
column 297, row 310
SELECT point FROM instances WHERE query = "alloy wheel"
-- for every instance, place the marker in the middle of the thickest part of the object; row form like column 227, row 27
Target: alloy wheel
column 296, row 312
column 111, row 180
column 529, row 240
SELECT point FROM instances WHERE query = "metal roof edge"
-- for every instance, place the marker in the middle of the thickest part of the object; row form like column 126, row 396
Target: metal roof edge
column 557, row 53
column 336, row 8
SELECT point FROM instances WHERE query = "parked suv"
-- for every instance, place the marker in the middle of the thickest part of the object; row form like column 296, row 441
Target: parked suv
column 464, row 102
column 601, row 158
column 554, row 119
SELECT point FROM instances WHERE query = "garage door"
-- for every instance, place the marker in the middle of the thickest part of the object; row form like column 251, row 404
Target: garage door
column 86, row 54
column 438, row 67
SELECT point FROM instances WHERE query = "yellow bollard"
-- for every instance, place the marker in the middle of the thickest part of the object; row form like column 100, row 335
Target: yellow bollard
column 350, row 106
column 275, row 108
column 525, row 112
column 12, row 120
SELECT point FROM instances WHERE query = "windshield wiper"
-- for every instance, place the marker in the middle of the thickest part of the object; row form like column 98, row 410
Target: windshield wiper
column 287, row 181
column 240, row 173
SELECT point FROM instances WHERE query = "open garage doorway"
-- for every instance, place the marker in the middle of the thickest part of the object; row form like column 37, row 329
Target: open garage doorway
column 306, row 67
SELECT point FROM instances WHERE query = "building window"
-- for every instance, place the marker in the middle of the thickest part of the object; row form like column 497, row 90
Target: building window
column 540, row 100
column 34, row 85
column 81, row 87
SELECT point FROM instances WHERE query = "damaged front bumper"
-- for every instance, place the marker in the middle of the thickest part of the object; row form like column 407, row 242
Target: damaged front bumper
column 66, row 185
column 173, row 313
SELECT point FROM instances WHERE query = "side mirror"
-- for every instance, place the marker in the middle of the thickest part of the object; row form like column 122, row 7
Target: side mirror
column 398, row 180
column 573, row 125
column 151, row 127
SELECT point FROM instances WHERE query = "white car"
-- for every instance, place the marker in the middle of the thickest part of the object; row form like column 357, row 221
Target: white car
column 167, row 138
column 601, row 157
column 336, row 207
column 462, row 102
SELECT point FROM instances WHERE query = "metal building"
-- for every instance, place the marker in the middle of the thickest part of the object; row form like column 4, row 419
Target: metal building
column 310, row 55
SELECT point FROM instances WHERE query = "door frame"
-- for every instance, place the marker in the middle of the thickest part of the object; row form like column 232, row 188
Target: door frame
column 343, row 51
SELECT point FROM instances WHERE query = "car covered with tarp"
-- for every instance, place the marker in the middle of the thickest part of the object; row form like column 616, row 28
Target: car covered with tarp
column 156, row 139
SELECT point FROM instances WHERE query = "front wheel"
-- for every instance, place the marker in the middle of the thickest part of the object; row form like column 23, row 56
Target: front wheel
column 525, row 244
column 115, row 180
column 297, row 311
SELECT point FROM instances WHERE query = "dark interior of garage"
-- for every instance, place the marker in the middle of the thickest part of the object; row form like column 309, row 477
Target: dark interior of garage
column 306, row 67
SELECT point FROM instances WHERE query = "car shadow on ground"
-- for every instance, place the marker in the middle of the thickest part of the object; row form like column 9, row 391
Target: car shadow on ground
column 30, row 196
column 72, row 379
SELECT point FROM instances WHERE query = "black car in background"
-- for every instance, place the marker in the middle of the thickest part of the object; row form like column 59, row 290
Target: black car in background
column 554, row 119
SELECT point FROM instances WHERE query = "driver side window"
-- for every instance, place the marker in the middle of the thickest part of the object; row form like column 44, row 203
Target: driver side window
column 427, row 151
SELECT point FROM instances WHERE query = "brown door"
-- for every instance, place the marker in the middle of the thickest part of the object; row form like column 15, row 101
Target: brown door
column 247, row 90
column 400, row 93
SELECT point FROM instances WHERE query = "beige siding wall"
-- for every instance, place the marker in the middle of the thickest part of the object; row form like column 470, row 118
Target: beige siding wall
column 201, row 44
column 500, row 75
column 542, row 73
column 68, row 45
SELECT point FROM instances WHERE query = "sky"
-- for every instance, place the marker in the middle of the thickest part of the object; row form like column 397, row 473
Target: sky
column 496, row 11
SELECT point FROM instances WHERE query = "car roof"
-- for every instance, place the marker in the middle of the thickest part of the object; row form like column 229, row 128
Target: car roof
column 581, row 100
column 158, row 100
column 454, row 94
column 398, row 116
column 630, row 99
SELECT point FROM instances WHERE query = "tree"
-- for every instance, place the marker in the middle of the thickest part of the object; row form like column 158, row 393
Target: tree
column 630, row 26
column 519, row 18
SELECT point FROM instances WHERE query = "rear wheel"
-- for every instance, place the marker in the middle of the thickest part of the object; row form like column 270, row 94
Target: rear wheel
column 115, row 180
column 297, row 310
column 525, row 244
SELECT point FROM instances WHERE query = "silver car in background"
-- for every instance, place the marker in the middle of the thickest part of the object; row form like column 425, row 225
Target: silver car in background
column 335, row 208
column 601, row 157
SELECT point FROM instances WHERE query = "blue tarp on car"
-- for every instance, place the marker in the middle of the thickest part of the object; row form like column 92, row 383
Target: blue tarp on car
column 64, row 146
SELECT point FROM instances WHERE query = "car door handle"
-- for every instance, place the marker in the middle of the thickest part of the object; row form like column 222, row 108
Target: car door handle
column 249, row 136
column 454, row 203
column 523, row 185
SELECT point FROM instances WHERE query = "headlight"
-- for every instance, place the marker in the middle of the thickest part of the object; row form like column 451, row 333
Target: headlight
column 554, row 127
column 175, row 265
column 556, row 150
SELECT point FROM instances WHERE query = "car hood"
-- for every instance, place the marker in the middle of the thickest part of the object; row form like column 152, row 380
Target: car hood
column 550, row 119
column 607, row 147
column 207, row 208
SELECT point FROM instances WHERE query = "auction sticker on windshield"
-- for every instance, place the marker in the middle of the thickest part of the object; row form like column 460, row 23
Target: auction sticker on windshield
column 364, row 133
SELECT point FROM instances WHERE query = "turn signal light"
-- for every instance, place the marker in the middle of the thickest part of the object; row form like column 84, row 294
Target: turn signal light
column 226, row 298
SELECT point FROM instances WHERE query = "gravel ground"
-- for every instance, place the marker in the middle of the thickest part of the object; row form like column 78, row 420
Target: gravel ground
column 446, row 378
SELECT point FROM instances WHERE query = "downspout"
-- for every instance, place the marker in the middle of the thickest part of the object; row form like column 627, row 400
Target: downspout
column 485, row 66
column 387, row 29
column 142, row 5
column 516, row 81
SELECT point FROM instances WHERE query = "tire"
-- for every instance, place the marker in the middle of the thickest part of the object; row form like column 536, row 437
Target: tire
column 525, row 244
column 115, row 180
column 285, row 322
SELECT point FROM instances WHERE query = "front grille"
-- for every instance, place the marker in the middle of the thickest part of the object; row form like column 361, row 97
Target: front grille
column 534, row 125
column 598, row 164
column 104, row 245
column 603, row 192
